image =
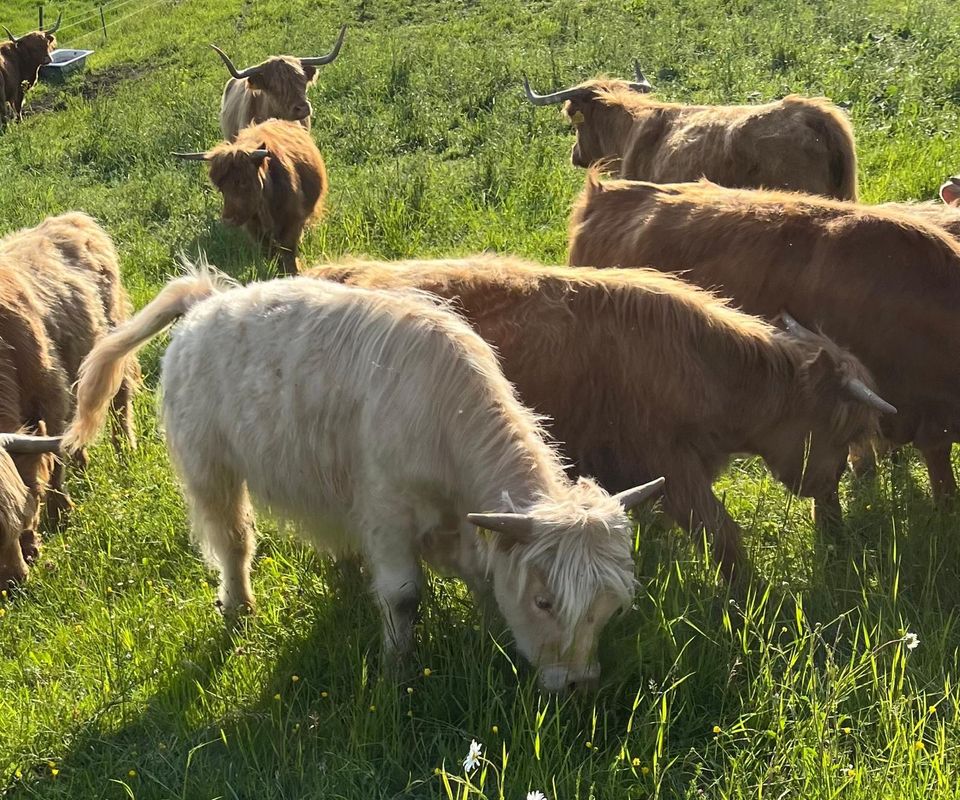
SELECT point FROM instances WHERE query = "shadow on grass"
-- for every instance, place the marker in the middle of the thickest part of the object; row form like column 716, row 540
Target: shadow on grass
column 323, row 715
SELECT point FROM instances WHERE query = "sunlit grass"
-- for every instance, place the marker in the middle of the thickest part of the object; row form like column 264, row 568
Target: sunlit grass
column 117, row 678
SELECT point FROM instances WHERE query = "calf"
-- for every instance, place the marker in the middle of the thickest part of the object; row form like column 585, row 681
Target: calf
column 799, row 143
column 382, row 423
column 880, row 282
column 684, row 381
column 277, row 88
column 20, row 62
column 273, row 182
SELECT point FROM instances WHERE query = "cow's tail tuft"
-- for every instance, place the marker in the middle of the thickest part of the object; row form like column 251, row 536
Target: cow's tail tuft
column 106, row 364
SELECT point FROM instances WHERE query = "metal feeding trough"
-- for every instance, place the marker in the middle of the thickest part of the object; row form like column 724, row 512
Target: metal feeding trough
column 63, row 62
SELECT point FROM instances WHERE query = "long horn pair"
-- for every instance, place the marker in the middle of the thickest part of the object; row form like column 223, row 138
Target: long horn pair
column 308, row 61
column 855, row 387
column 23, row 444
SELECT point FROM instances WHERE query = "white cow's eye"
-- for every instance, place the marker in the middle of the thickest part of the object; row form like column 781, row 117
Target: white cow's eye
column 542, row 603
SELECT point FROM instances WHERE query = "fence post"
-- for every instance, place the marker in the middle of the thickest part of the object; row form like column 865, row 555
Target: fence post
column 40, row 15
column 103, row 23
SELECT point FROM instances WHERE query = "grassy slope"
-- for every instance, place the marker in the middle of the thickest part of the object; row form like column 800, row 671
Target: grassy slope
column 113, row 658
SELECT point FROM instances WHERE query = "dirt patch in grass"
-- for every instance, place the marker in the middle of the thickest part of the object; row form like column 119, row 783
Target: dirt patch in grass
column 89, row 86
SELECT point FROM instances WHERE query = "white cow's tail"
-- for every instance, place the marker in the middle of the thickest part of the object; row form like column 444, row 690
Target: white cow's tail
column 104, row 367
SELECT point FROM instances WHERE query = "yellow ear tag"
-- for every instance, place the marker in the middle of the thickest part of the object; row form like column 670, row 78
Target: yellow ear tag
column 577, row 118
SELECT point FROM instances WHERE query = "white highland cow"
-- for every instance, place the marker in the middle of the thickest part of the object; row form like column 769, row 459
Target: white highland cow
column 379, row 421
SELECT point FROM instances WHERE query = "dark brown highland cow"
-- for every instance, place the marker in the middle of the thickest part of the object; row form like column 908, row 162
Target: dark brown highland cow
column 20, row 62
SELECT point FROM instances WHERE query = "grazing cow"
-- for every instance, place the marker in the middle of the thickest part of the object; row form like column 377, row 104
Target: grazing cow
column 685, row 381
column 75, row 275
column 273, row 182
column 378, row 421
column 799, row 143
column 19, row 511
column 879, row 282
column 20, row 62
column 276, row 88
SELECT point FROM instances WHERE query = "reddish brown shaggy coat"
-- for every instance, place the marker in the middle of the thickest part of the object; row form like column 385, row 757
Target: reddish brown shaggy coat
column 643, row 375
column 33, row 397
column 881, row 283
column 276, row 197
column 75, row 272
column 798, row 143
column 20, row 63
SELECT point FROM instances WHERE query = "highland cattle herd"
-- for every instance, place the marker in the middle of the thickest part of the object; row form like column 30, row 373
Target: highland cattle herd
column 726, row 294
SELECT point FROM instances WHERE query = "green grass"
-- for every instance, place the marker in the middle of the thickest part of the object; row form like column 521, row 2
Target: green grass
column 116, row 677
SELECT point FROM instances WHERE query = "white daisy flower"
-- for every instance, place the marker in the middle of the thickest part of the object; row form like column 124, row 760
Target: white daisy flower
column 912, row 641
column 536, row 796
column 472, row 761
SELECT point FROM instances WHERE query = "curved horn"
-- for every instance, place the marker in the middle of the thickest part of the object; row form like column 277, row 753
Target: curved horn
column 238, row 74
column 860, row 391
column 642, row 85
column 20, row 443
column 794, row 328
column 259, row 155
column 517, row 525
column 13, row 38
column 192, row 156
column 56, row 25
column 319, row 61
column 555, row 97
column 631, row 498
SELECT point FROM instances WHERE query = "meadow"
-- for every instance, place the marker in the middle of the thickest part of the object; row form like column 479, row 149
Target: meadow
column 117, row 677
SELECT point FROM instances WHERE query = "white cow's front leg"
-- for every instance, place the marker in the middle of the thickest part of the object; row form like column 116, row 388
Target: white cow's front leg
column 397, row 582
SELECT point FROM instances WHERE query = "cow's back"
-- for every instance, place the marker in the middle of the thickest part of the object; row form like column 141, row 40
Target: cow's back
column 794, row 144
column 309, row 390
column 933, row 213
column 877, row 283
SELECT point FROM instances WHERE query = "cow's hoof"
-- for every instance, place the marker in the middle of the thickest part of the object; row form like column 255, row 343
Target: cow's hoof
column 30, row 546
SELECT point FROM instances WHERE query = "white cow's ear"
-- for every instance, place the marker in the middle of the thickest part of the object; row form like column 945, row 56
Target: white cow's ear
column 514, row 529
column 631, row 498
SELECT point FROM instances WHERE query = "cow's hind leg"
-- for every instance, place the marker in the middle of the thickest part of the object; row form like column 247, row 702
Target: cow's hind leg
column 223, row 526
